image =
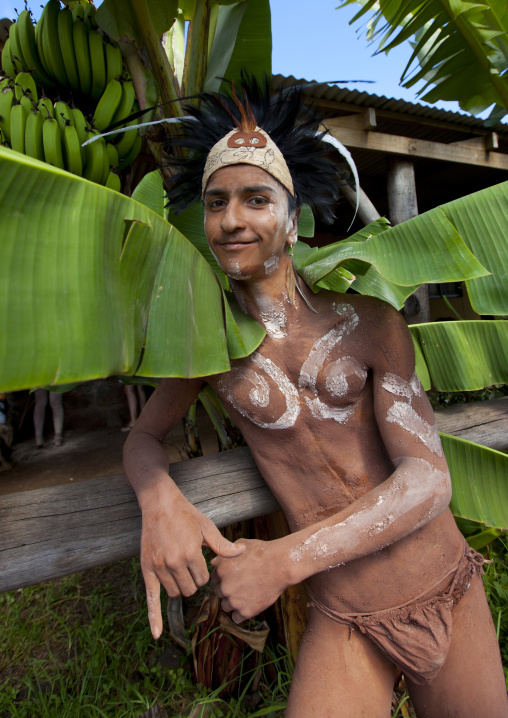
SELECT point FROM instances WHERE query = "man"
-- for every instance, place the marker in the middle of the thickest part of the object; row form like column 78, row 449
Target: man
column 343, row 434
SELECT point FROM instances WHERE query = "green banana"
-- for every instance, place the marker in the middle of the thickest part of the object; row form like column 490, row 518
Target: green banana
column 114, row 160
column 3, row 141
column 114, row 182
column 78, row 11
column 46, row 107
column 65, row 36
column 39, row 32
column 51, row 44
column 63, row 115
column 72, row 148
column 95, row 159
column 126, row 140
column 108, row 105
column 26, row 90
column 114, row 61
column 26, row 37
column 125, row 107
column 133, row 153
column 82, row 50
column 89, row 16
column 105, row 165
column 6, row 102
column 81, row 128
column 7, row 62
column 18, row 123
column 98, row 62
column 15, row 48
column 34, row 146
column 52, row 141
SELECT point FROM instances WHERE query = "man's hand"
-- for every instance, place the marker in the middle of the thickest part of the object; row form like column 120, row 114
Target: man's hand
column 171, row 553
column 252, row 581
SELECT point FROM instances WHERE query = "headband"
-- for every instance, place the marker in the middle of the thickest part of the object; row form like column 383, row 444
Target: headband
column 248, row 148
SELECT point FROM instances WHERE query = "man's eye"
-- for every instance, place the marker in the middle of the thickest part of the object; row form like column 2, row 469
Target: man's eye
column 216, row 203
column 258, row 201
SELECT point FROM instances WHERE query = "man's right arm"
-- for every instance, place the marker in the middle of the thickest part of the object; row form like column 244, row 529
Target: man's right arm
column 173, row 530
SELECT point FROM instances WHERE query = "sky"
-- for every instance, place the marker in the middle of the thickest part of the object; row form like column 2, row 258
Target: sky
column 312, row 40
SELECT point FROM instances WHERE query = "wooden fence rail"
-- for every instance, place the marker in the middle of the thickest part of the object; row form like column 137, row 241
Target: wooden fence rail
column 52, row 532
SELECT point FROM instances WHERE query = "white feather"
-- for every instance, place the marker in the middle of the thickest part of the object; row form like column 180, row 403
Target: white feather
column 347, row 156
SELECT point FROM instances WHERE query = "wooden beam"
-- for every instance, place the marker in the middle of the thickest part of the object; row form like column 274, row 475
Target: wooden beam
column 359, row 120
column 486, row 142
column 484, row 422
column 410, row 147
column 52, row 532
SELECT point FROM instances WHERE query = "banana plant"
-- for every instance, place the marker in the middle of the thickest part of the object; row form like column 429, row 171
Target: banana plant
column 461, row 48
column 222, row 38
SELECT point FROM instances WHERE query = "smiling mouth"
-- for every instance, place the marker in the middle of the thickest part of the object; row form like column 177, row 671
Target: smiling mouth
column 234, row 243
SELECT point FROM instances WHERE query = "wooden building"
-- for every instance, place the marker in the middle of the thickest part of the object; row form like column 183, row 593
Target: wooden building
column 410, row 158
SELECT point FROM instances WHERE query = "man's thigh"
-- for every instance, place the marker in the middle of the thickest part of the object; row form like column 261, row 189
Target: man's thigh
column 471, row 681
column 339, row 674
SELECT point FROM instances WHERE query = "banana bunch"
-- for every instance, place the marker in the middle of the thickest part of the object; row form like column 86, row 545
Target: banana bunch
column 67, row 56
column 55, row 133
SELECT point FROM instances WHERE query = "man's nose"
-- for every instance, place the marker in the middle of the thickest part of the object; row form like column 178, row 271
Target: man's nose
column 232, row 217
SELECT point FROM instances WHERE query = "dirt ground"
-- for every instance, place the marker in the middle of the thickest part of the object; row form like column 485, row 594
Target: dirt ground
column 92, row 442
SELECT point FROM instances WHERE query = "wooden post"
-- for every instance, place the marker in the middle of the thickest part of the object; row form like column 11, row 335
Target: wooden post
column 403, row 205
column 366, row 210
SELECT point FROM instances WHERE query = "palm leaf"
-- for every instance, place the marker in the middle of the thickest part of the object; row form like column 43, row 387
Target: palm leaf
column 461, row 47
column 479, row 482
column 84, row 275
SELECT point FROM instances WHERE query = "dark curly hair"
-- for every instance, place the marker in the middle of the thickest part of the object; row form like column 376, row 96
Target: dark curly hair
column 292, row 126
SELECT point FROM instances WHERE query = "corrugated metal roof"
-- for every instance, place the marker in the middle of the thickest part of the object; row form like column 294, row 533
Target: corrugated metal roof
column 335, row 93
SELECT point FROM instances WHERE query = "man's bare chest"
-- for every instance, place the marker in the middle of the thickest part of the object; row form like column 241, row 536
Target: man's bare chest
column 315, row 370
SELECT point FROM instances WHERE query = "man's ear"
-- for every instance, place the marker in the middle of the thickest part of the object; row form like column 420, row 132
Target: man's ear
column 293, row 226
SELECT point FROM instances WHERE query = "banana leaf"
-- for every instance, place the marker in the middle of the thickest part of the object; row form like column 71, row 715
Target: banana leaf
column 461, row 356
column 461, row 47
column 92, row 283
column 427, row 248
column 479, row 482
column 482, row 221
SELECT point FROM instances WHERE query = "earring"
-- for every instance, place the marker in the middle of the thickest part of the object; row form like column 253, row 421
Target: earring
column 291, row 276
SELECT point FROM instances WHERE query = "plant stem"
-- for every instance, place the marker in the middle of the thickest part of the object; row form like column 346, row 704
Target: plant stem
column 161, row 67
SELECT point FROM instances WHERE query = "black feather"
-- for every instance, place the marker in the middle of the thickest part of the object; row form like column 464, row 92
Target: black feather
column 290, row 124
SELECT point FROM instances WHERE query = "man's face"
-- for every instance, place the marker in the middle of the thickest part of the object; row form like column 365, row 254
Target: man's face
column 246, row 221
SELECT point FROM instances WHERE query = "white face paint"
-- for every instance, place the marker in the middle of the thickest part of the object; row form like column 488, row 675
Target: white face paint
column 271, row 264
column 414, row 484
column 406, row 417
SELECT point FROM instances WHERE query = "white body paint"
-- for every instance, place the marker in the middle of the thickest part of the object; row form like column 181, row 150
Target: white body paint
column 273, row 315
column 405, row 416
column 414, row 483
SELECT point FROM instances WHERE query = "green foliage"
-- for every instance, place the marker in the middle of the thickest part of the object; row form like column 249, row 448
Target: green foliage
column 461, row 47
column 496, row 586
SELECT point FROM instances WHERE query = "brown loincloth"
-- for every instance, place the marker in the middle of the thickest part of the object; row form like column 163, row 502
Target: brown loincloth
column 416, row 635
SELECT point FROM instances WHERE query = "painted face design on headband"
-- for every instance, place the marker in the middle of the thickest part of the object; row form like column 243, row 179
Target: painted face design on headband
column 248, row 139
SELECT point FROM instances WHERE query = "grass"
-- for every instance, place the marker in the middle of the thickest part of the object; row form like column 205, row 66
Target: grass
column 80, row 647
